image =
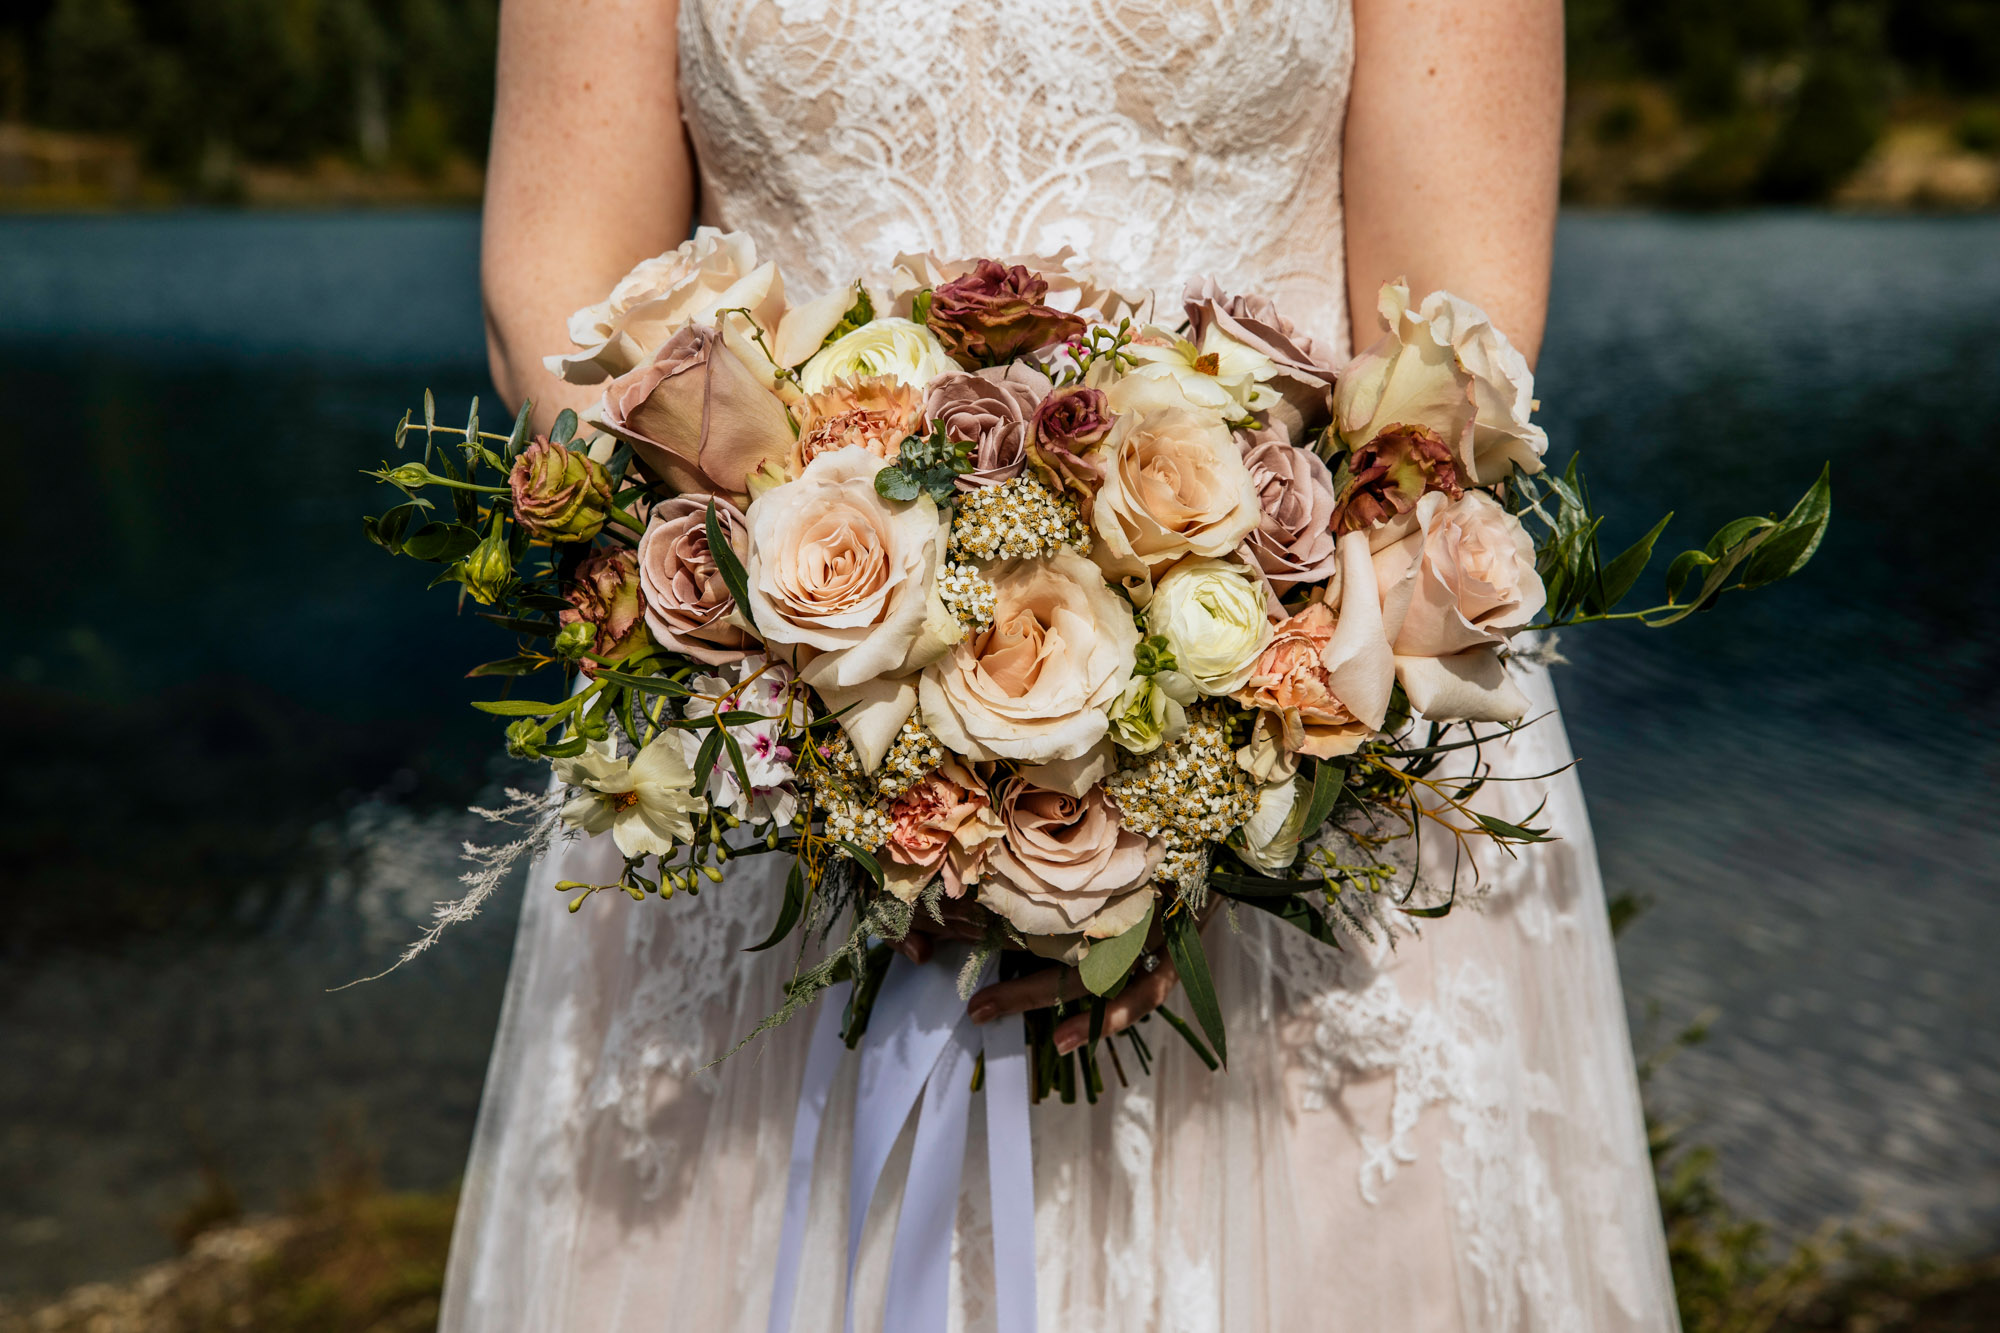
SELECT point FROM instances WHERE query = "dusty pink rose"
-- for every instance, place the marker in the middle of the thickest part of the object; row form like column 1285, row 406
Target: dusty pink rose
column 939, row 824
column 605, row 592
column 697, row 417
column 992, row 410
column 1065, row 865
column 878, row 413
column 996, row 313
column 1390, row 473
column 687, row 604
column 1306, row 371
column 1068, row 424
column 1293, row 543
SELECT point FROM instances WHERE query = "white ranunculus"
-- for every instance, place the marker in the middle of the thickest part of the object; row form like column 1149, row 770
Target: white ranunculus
column 1221, row 374
column 1271, row 836
column 645, row 803
column 713, row 270
column 1152, row 711
column 1211, row 613
column 1445, row 367
column 899, row 348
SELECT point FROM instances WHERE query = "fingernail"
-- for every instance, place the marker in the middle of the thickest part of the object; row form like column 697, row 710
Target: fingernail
column 1064, row 1045
column 982, row 1013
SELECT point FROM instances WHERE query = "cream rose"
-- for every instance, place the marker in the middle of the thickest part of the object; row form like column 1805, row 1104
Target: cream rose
column 899, row 348
column 1174, row 481
column 1212, row 614
column 1065, row 865
column 1444, row 367
column 837, row 570
column 714, row 270
column 1033, row 686
column 1469, row 570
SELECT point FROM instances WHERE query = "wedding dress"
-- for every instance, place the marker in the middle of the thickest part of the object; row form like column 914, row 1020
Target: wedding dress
column 1442, row 1133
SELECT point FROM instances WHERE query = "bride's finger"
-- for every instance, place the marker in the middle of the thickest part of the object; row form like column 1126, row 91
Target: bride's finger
column 1037, row 990
column 1141, row 996
column 915, row 946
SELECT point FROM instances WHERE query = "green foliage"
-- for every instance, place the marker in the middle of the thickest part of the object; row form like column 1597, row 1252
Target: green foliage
column 930, row 465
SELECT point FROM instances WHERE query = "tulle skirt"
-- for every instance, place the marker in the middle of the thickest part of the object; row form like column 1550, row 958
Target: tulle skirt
column 1435, row 1131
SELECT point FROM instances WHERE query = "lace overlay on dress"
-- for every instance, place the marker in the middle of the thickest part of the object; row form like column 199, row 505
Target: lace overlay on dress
column 1440, row 1135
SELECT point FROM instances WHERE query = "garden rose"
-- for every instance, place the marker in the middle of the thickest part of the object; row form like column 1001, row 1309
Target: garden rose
column 1174, row 484
column 1071, row 288
column 877, row 413
column 851, row 578
column 894, row 347
column 1069, row 423
column 1303, row 373
column 697, row 417
column 715, row 270
column 1325, row 677
column 559, row 493
column 1065, row 865
column 688, row 607
column 1293, row 541
column 1470, row 570
column 940, row 824
column 992, row 410
column 996, row 313
column 1033, row 685
column 1211, row 613
column 605, row 592
column 1445, row 367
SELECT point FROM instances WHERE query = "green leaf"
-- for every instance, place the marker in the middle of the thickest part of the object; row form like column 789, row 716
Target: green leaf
column 387, row 531
column 645, row 684
column 564, row 431
column 1617, row 578
column 510, row 666
column 1109, row 960
column 1247, row 887
column 727, row 565
column 441, row 543
column 920, row 308
column 735, row 760
column 892, row 483
column 861, row 312
column 526, row 707
column 705, row 757
column 1328, row 775
column 541, row 629
column 789, row 911
column 1513, row 832
column 518, row 441
column 1298, row 912
column 1797, row 538
column 866, row 861
column 1184, row 945
column 1180, row 1025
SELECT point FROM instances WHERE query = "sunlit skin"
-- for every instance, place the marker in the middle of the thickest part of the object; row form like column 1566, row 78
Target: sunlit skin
column 1449, row 180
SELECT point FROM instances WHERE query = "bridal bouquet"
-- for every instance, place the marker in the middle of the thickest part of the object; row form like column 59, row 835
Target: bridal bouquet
column 997, row 593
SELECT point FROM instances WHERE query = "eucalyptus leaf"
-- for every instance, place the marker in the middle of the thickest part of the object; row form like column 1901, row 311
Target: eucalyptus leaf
column 896, row 484
column 563, row 433
column 517, row 440
column 440, row 543
column 1105, row 966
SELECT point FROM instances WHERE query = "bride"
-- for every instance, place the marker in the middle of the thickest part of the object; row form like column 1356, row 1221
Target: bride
column 1436, row 1133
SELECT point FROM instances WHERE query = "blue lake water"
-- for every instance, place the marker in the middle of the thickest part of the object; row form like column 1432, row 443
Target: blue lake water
column 237, row 748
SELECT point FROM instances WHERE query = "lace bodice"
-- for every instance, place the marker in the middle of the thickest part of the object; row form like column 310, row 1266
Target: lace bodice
column 1161, row 139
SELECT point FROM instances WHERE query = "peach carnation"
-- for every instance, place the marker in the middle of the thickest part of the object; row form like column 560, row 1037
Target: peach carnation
column 876, row 412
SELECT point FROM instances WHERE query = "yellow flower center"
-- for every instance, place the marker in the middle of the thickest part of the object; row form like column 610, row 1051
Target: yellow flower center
column 1209, row 363
column 622, row 801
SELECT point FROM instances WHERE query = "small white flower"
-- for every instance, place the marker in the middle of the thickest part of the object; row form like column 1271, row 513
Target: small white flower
column 645, row 803
column 766, row 762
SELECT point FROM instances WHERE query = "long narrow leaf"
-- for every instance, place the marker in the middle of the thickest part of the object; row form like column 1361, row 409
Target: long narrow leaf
column 789, row 911
column 1188, row 1034
column 1625, row 569
column 728, row 565
column 1184, row 945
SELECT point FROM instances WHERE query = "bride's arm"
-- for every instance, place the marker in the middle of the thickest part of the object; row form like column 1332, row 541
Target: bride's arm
column 1453, row 152
column 590, row 172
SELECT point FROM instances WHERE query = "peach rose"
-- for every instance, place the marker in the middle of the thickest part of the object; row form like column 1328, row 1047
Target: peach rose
column 1325, row 679
column 939, row 824
column 1033, row 686
column 714, row 270
column 1174, row 481
column 1469, row 570
column 1065, row 865
column 688, row 607
column 876, row 412
column 697, row 417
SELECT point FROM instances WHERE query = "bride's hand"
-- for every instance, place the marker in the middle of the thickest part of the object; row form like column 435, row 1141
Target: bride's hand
column 1144, row 993
column 964, row 919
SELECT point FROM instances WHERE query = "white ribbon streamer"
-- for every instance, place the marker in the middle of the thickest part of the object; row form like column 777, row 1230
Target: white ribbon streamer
column 919, row 1044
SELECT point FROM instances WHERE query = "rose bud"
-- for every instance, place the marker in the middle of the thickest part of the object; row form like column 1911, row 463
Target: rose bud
column 995, row 314
column 575, row 639
column 559, row 494
column 606, row 593
column 698, row 418
column 1070, row 423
